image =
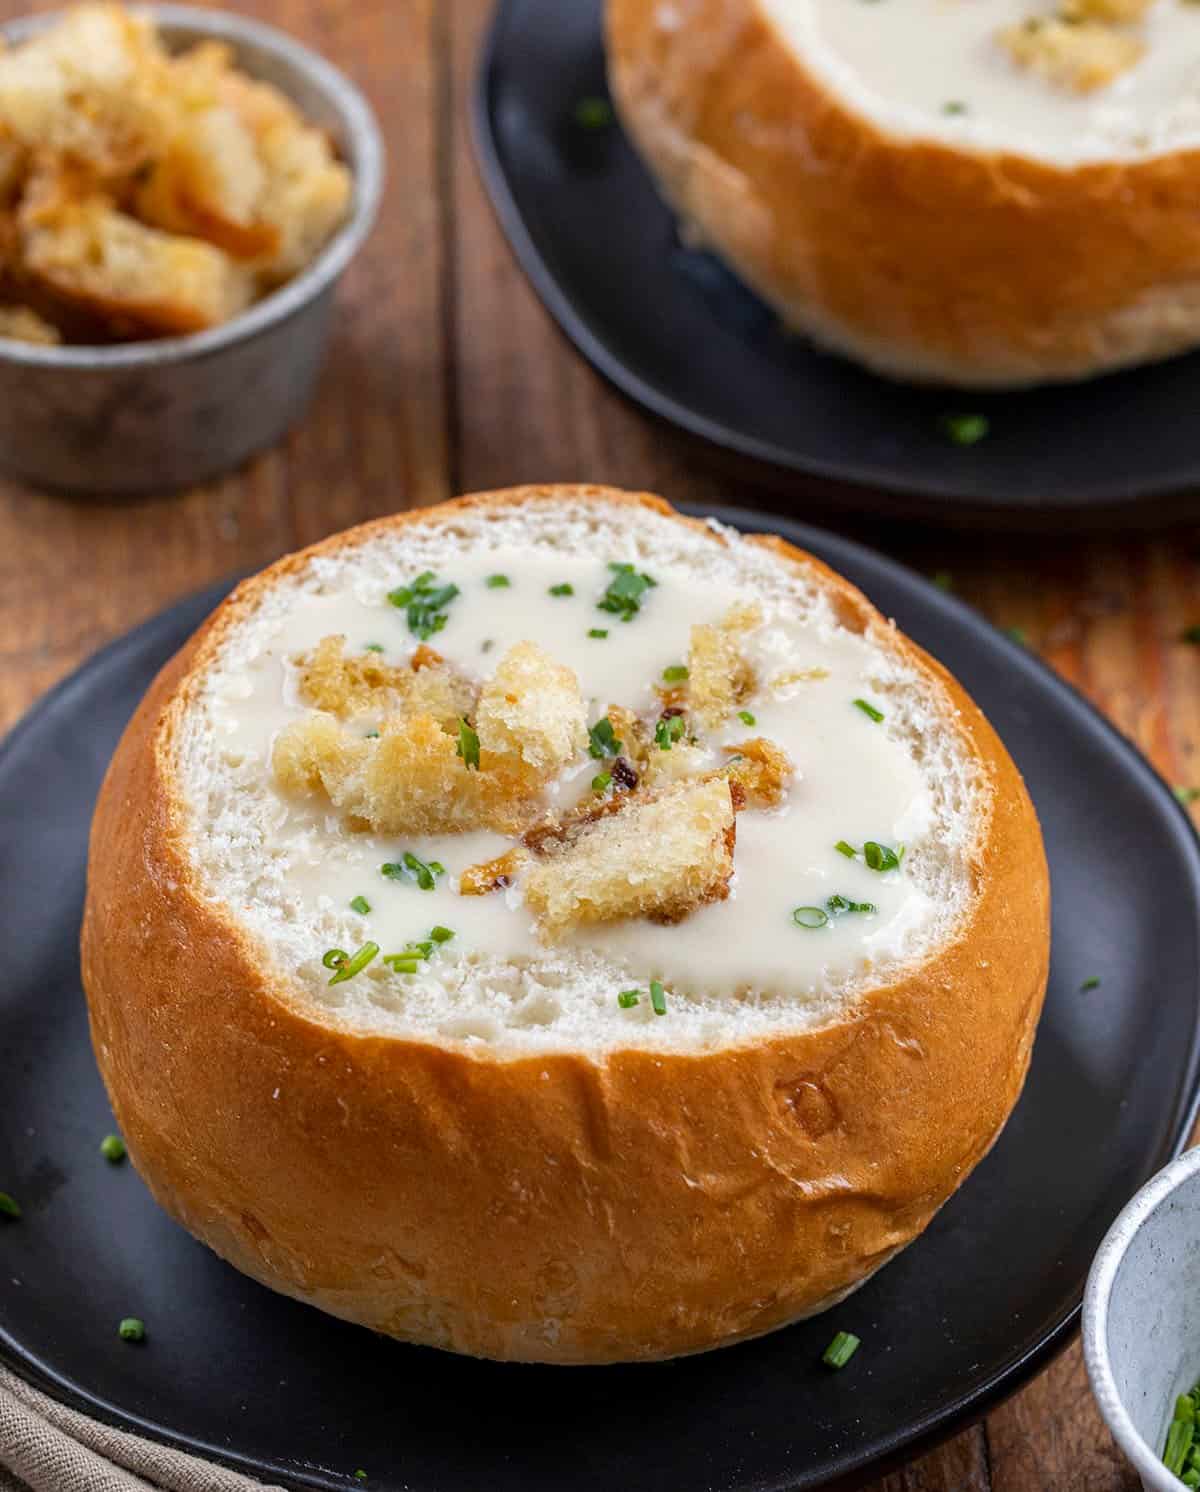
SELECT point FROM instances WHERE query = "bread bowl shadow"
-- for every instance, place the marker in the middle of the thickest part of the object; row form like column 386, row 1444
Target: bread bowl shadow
column 156, row 416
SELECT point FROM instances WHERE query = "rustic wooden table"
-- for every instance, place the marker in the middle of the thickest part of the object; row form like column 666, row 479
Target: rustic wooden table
column 447, row 376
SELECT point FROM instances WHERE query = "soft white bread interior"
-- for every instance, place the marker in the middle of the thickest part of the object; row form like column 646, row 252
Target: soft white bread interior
column 983, row 196
column 490, row 1152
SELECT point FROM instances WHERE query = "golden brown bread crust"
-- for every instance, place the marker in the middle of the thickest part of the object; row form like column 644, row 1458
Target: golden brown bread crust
column 551, row 1207
column 922, row 260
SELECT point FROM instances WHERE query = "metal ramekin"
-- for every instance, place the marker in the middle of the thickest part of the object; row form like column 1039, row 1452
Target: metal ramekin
column 1141, row 1316
column 157, row 415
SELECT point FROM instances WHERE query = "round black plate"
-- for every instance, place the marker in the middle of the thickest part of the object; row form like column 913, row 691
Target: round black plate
column 678, row 333
column 961, row 1318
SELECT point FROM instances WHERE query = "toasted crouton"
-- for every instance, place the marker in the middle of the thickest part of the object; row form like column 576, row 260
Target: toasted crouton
column 1123, row 12
column 681, row 762
column 491, row 875
column 304, row 192
column 345, row 687
column 21, row 324
column 90, row 88
column 78, row 246
column 633, row 734
column 662, row 857
column 306, row 198
column 209, row 180
column 763, row 771
column 408, row 780
column 209, row 183
column 719, row 676
column 531, row 712
column 316, row 754
column 1080, row 55
column 14, row 162
column 416, row 782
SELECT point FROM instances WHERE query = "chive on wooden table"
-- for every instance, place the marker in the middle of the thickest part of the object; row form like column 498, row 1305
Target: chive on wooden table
column 447, row 376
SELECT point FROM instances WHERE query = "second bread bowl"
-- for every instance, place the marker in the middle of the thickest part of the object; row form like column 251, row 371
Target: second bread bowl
column 991, row 195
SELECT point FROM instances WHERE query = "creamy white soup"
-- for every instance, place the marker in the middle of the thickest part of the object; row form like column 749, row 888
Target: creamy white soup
column 939, row 68
column 815, row 696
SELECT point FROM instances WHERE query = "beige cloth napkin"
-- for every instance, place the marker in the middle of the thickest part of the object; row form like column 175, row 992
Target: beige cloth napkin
column 45, row 1447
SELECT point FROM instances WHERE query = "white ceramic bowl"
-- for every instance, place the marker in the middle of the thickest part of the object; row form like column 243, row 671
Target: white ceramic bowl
column 1141, row 1316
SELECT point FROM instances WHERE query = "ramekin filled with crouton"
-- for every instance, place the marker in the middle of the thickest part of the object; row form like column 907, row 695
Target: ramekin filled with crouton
column 180, row 191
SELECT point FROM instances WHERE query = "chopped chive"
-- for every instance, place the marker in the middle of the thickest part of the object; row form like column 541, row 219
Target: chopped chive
column 441, row 934
column 487, row 644
column 593, row 113
column 625, row 591
column 1191, row 635
column 810, row 917
column 373, row 647
column 965, row 429
column 355, row 964
column 498, row 582
column 602, row 739
column 424, row 603
column 334, row 958
column 943, row 580
column 468, row 746
column 746, row 717
column 1017, row 635
column 668, row 731
column 880, row 856
column 628, row 998
column 401, row 963
column 1089, row 984
column 845, row 849
column 676, row 673
column 132, row 1330
column 360, row 1475
column 564, row 588
column 112, row 1148
column 1179, row 1441
column 1187, row 794
column 361, row 905
column 658, row 997
column 869, row 710
column 837, row 906
column 601, row 782
column 9, row 1206
column 954, row 106
column 840, row 1350
column 371, row 735
column 411, row 867
column 597, row 631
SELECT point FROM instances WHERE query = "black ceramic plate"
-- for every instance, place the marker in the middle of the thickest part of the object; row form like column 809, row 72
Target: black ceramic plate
column 959, row 1319
column 678, row 333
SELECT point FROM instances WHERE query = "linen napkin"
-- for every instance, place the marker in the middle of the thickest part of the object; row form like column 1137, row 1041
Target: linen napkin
column 45, row 1447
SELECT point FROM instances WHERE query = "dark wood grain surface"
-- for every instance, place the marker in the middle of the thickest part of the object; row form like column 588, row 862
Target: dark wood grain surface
column 445, row 376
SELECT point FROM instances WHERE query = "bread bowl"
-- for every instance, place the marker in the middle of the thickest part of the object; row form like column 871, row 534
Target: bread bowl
column 994, row 195
column 483, row 1141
